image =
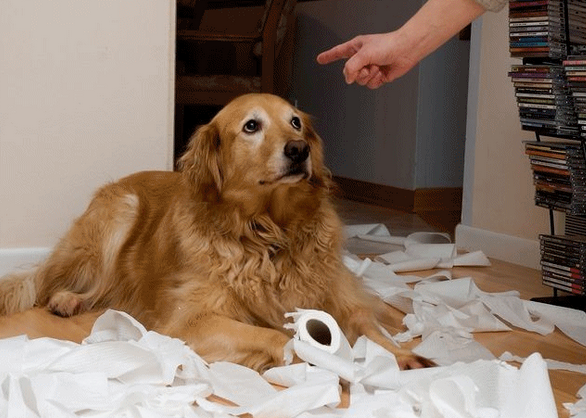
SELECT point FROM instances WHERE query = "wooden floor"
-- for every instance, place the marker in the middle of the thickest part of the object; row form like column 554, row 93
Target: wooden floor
column 499, row 277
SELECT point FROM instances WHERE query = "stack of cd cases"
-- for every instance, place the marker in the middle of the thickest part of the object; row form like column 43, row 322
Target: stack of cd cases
column 563, row 262
column 575, row 69
column 550, row 88
column 577, row 26
column 537, row 29
column 575, row 225
column 559, row 175
column 544, row 99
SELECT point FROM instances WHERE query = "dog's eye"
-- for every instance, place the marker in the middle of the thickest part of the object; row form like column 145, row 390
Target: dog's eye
column 296, row 122
column 251, row 126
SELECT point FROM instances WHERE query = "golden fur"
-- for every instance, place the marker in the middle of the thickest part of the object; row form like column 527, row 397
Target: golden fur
column 216, row 253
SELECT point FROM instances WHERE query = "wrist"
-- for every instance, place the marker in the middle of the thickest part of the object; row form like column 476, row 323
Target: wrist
column 414, row 43
column 435, row 23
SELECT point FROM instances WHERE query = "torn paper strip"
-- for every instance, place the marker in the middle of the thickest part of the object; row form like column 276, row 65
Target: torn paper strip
column 578, row 409
column 417, row 252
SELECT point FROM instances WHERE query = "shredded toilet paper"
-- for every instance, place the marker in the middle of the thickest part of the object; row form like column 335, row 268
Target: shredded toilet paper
column 443, row 307
column 578, row 409
column 418, row 251
column 551, row 364
column 123, row 370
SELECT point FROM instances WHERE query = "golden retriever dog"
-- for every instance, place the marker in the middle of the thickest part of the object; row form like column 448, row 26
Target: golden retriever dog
column 216, row 253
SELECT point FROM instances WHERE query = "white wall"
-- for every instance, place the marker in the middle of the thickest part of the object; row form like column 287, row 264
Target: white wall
column 86, row 96
column 498, row 214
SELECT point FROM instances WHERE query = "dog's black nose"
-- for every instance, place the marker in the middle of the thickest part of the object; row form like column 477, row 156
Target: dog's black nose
column 297, row 151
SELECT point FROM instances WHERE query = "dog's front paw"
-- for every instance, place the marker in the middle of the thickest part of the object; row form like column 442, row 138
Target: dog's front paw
column 411, row 361
column 66, row 303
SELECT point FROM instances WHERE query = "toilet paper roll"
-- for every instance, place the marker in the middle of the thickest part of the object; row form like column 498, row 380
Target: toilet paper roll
column 427, row 238
column 320, row 330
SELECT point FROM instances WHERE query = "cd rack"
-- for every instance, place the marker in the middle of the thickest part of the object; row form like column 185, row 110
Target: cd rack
column 550, row 87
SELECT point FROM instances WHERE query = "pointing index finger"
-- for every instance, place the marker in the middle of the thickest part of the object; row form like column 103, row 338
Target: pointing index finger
column 345, row 50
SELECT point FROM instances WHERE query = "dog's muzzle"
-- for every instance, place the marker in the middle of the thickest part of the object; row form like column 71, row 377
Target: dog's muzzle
column 297, row 152
column 295, row 165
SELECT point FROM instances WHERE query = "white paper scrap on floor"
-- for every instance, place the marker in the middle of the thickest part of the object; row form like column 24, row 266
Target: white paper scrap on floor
column 123, row 370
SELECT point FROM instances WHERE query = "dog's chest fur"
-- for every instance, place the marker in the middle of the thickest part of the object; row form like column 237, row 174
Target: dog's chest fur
column 265, row 270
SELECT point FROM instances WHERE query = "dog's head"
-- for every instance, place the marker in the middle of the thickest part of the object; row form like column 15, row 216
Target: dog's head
column 253, row 146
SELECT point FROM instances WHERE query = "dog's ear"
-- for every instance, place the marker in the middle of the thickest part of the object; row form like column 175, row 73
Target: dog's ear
column 201, row 165
column 321, row 176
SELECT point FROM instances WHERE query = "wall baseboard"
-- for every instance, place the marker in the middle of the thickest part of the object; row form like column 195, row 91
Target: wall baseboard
column 520, row 251
column 412, row 201
column 375, row 194
column 14, row 259
column 438, row 199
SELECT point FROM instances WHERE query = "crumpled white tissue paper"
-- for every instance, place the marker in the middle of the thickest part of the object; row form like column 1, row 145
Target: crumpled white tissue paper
column 551, row 364
column 419, row 251
column 480, row 388
column 460, row 304
column 122, row 370
column 578, row 409
column 441, row 306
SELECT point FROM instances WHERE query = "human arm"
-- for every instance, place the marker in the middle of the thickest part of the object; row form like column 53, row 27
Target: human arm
column 376, row 59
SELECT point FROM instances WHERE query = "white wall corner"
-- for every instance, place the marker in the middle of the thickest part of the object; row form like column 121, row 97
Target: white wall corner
column 520, row 251
column 19, row 259
column 171, row 91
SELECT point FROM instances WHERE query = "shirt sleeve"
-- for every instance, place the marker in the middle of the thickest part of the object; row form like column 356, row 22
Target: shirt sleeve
column 492, row 5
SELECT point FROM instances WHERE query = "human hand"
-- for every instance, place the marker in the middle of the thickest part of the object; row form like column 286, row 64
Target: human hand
column 373, row 60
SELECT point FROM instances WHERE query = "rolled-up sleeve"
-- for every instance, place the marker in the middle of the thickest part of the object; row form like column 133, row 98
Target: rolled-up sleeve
column 492, row 5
